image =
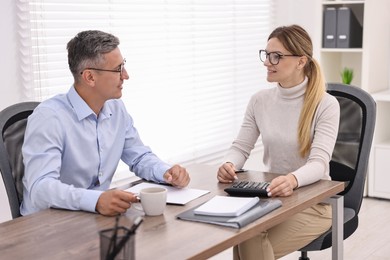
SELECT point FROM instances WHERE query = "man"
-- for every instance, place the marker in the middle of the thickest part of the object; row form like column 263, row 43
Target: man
column 74, row 141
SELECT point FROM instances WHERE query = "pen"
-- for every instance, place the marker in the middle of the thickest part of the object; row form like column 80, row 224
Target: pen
column 136, row 224
column 240, row 170
column 113, row 245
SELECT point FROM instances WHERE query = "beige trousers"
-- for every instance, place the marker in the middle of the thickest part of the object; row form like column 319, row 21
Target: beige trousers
column 287, row 237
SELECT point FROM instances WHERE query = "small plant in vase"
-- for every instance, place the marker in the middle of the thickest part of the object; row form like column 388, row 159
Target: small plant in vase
column 347, row 76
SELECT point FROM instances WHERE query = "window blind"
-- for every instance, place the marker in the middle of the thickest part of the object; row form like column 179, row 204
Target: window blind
column 193, row 65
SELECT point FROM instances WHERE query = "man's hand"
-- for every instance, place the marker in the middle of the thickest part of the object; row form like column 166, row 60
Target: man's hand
column 114, row 202
column 177, row 176
column 227, row 173
column 282, row 186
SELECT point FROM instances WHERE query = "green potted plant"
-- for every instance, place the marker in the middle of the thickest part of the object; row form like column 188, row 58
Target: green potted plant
column 346, row 75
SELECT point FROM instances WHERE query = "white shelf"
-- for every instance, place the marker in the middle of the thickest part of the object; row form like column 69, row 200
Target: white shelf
column 345, row 2
column 343, row 50
column 382, row 96
column 384, row 144
column 371, row 72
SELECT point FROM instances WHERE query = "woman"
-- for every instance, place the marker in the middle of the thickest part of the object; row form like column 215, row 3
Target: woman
column 298, row 122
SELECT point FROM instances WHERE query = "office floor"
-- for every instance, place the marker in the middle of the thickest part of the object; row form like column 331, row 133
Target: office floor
column 370, row 241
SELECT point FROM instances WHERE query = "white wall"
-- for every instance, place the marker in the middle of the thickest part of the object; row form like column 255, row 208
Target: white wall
column 302, row 12
column 9, row 62
column 9, row 76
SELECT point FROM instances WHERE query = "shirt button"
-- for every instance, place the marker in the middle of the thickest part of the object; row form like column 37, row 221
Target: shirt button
column 100, row 174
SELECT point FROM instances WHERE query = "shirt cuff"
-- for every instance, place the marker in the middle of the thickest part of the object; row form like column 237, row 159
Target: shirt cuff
column 160, row 176
column 89, row 200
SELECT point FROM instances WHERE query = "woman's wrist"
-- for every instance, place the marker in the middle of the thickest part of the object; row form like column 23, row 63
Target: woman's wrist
column 293, row 180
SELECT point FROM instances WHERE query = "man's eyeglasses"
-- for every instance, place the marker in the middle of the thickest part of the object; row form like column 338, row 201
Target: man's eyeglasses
column 273, row 57
column 119, row 69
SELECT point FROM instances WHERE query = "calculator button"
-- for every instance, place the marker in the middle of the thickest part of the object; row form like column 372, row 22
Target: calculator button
column 258, row 185
column 243, row 184
column 251, row 184
column 236, row 184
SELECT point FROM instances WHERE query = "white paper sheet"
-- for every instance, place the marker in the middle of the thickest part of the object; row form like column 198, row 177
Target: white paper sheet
column 175, row 195
column 227, row 206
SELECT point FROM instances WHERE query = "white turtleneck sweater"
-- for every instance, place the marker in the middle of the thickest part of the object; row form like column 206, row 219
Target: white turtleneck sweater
column 274, row 113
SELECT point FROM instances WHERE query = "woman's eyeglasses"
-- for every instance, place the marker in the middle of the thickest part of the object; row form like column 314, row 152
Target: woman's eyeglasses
column 273, row 57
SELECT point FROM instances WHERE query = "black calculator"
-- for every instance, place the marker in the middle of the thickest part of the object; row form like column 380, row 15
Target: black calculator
column 248, row 189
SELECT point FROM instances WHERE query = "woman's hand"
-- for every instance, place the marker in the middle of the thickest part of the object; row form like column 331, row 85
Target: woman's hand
column 282, row 186
column 227, row 173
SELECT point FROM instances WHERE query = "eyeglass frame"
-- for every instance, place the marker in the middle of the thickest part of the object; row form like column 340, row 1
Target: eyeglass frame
column 120, row 70
column 279, row 55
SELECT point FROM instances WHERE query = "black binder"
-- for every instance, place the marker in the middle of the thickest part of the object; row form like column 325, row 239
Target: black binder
column 329, row 27
column 263, row 207
column 349, row 30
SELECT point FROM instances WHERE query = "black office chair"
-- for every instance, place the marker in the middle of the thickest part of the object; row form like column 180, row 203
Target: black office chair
column 350, row 156
column 13, row 120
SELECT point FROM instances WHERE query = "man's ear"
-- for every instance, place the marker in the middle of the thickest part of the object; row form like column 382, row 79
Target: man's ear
column 88, row 77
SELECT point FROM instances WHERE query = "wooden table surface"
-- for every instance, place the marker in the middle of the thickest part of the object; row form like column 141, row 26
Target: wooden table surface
column 63, row 234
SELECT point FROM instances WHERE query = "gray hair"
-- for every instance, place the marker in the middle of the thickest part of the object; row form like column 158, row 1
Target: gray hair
column 87, row 49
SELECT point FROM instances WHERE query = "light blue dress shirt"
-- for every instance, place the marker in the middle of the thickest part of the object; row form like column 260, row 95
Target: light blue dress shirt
column 70, row 154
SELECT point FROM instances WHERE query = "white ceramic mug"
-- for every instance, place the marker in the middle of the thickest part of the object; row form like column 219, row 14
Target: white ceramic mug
column 153, row 200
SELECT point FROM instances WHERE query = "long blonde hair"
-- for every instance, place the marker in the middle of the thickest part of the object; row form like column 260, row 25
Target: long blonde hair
column 297, row 41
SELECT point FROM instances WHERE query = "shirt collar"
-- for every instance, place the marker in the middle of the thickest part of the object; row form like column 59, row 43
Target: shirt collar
column 82, row 109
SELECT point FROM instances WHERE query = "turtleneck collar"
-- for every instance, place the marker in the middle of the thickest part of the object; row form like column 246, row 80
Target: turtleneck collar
column 293, row 92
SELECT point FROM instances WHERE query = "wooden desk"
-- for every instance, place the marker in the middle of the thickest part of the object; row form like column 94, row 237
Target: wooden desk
column 62, row 234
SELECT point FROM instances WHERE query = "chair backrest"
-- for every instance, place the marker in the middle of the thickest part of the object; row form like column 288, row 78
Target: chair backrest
column 352, row 150
column 13, row 120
